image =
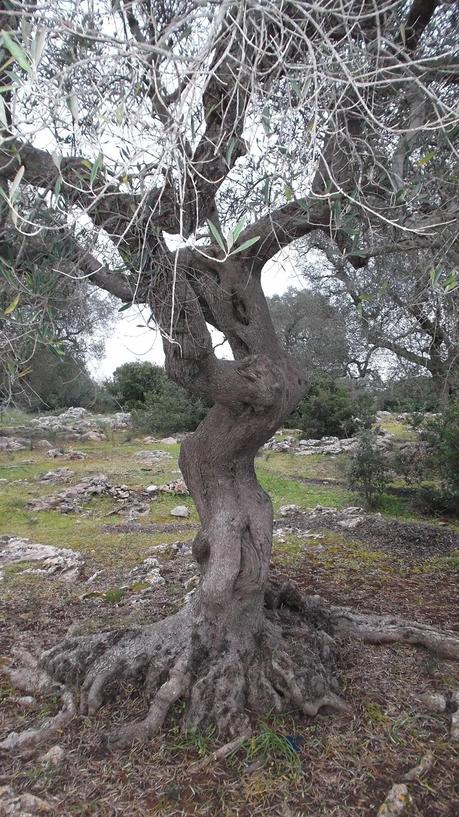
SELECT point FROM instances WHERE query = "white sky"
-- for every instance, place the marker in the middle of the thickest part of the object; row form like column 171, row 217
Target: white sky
column 131, row 339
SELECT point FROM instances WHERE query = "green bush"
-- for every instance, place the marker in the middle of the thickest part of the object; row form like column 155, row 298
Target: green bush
column 56, row 381
column 132, row 383
column 442, row 434
column 409, row 394
column 368, row 472
column 329, row 410
column 170, row 411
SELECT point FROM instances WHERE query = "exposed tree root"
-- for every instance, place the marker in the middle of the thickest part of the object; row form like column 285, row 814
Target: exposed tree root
column 289, row 663
column 388, row 630
column 220, row 754
column 30, row 678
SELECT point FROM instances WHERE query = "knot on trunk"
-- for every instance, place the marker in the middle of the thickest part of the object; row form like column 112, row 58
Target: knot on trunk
column 257, row 382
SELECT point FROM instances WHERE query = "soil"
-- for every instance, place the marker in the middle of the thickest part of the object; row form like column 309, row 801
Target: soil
column 405, row 539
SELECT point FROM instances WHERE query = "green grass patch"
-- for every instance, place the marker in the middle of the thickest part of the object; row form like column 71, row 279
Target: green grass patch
column 288, row 492
column 398, row 430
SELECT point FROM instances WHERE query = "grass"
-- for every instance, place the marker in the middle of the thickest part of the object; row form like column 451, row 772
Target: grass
column 398, row 430
column 13, row 417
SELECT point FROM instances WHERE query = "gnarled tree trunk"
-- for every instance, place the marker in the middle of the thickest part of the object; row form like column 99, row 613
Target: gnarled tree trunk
column 225, row 654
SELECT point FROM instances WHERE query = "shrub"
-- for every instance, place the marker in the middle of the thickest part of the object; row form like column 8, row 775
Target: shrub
column 133, row 382
column 409, row 394
column 442, row 434
column 368, row 471
column 56, row 381
column 329, row 410
column 169, row 411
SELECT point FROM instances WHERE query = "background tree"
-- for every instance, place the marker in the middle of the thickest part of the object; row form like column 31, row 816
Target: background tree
column 179, row 118
column 131, row 383
column 405, row 303
column 312, row 330
column 161, row 406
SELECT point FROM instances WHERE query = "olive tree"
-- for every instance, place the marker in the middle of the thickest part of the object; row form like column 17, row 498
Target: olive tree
column 167, row 126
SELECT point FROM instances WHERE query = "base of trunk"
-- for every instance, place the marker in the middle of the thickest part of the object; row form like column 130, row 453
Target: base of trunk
column 288, row 664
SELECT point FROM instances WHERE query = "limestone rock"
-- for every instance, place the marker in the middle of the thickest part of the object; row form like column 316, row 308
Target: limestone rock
column 21, row 805
column 326, row 445
column 93, row 436
column 152, row 456
column 148, row 571
column 420, row 769
column 54, row 756
column 14, row 444
column 23, row 701
column 56, row 453
column 454, row 728
column 286, row 510
column 51, row 561
column 433, row 702
column 396, row 801
column 180, row 510
column 176, row 487
column 169, row 441
column 350, row 524
column 59, row 475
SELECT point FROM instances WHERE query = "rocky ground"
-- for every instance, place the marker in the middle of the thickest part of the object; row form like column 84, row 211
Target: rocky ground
column 102, row 540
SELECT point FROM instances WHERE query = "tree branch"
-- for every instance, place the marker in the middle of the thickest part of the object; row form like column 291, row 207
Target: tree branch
column 107, row 206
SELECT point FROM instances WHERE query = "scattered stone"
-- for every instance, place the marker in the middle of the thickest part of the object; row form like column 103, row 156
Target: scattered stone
column 396, row 801
column 14, row 444
column 56, row 453
column 44, row 444
column 173, row 548
column 454, row 727
column 21, row 805
column 152, row 456
column 93, row 436
column 74, row 413
column 286, row 510
column 70, row 500
column 76, row 422
column 23, row 701
column 422, row 767
column 135, row 511
column 54, row 756
column 433, row 702
column 326, row 445
column 148, row 571
column 350, row 524
column 287, row 444
column 60, row 474
column 169, row 441
column 63, row 562
column 177, row 487
column 192, row 582
column 180, row 510
column 95, row 576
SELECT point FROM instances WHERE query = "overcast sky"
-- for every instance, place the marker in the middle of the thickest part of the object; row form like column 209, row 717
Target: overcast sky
column 131, row 339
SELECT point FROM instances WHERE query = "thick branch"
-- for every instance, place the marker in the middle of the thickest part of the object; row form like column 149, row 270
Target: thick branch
column 107, row 206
